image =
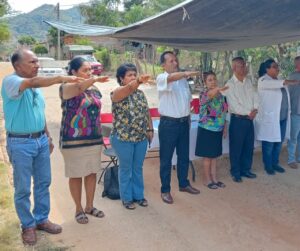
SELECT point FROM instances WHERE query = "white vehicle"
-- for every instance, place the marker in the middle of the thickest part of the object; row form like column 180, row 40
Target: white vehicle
column 50, row 67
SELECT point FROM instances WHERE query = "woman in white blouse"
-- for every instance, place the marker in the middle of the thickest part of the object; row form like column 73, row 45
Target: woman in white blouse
column 273, row 119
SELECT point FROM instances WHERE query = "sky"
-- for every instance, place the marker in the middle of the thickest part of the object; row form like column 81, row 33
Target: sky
column 29, row 5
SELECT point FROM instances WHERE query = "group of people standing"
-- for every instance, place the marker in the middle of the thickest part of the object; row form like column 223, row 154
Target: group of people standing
column 29, row 143
column 267, row 112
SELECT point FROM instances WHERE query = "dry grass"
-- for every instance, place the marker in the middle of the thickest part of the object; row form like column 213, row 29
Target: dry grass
column 10, row 239
column 9, row 226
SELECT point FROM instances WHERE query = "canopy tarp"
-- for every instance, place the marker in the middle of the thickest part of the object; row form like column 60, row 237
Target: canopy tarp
column 210, row 25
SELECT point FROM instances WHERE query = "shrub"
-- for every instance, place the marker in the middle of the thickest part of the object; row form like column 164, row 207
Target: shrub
column 103, row 56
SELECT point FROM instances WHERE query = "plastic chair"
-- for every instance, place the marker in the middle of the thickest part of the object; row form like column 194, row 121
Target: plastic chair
column 154, row 112
column 106, row 118
column 195, row 104
column 106, row 121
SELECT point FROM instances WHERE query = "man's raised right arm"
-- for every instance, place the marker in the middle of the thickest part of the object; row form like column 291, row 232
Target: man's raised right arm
column 38, row 82
column 180, row 75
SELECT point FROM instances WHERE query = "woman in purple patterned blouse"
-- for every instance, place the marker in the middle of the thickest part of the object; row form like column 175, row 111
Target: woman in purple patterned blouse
column 80, row 136
column 212, row 127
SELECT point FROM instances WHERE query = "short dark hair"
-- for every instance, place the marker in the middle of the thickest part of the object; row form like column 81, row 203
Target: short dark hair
column 264, row 66
column 238, row 59
column 206, row 74
column 122, row 69
column 16, row 57
column 297, row 58
column 162, row 58
column 75, row 64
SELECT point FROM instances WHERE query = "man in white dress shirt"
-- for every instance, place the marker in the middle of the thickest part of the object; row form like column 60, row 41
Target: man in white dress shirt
column 174, row 107
column 243, row 104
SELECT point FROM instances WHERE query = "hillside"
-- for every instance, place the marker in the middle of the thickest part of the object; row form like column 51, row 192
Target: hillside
column 32, row 23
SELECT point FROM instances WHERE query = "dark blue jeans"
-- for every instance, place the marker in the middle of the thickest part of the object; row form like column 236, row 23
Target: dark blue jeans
column 271, row 150
column 241, row 145
column 173, row 134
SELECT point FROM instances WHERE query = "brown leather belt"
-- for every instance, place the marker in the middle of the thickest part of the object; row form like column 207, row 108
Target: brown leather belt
column 34, row 135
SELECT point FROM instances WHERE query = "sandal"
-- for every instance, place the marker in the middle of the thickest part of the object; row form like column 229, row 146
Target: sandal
column 128, row 205
column 95, row 212
column 142, row 202
column 220, row 184
column 212, row 186
column 81, row 218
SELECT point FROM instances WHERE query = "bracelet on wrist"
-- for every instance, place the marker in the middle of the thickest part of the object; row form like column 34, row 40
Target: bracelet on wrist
column 150, row 130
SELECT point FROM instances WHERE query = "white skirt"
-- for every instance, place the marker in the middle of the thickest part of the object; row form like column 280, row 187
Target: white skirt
column 82, row 161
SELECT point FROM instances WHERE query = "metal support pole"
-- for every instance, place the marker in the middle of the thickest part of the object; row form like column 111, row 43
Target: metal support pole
column 58, row 34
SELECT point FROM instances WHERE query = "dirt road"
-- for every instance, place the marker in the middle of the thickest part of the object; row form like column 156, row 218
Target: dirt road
column 257, row 215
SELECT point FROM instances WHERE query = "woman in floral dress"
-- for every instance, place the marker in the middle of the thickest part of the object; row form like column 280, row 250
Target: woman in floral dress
column 212, row 127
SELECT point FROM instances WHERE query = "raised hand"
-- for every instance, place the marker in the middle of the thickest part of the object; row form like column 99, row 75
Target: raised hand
column 189, row 74
column 102, row 79
column 144, row 78
column 224, row 88
column 72, row 79
column 215, row 91
column 291, row 82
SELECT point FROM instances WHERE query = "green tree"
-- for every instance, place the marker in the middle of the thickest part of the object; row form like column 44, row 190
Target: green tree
column 26, row 40
column 103, row 56
column 135, row 14
column 4, row 29
column 52, row 34
column 82, row 41
column 40, row 49
column 100, row 13
column 161, row 5
column 106, row 12
column 4, row 32
column 129, row 3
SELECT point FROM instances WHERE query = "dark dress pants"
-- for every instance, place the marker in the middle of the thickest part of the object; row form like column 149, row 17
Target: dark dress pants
column 241, row 145
column 173, row 134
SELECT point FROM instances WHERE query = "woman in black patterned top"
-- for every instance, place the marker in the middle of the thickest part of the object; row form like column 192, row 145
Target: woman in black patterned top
column 132, row 129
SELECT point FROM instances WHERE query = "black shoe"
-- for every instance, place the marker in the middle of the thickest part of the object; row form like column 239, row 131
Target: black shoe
column 270, row 171
column 237, row 179
column 249, row 175
column 278, row 169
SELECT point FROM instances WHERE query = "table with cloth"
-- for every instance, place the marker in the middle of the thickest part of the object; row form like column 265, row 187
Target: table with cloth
column 193, row 139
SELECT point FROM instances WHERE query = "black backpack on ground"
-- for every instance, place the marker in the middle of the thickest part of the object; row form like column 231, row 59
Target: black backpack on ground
column 111, row 183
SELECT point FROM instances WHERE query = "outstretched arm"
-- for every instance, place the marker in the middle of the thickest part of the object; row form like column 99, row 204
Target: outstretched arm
column 124, row 91
column 38, row 82
column 70, row 90
column 179, row 75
